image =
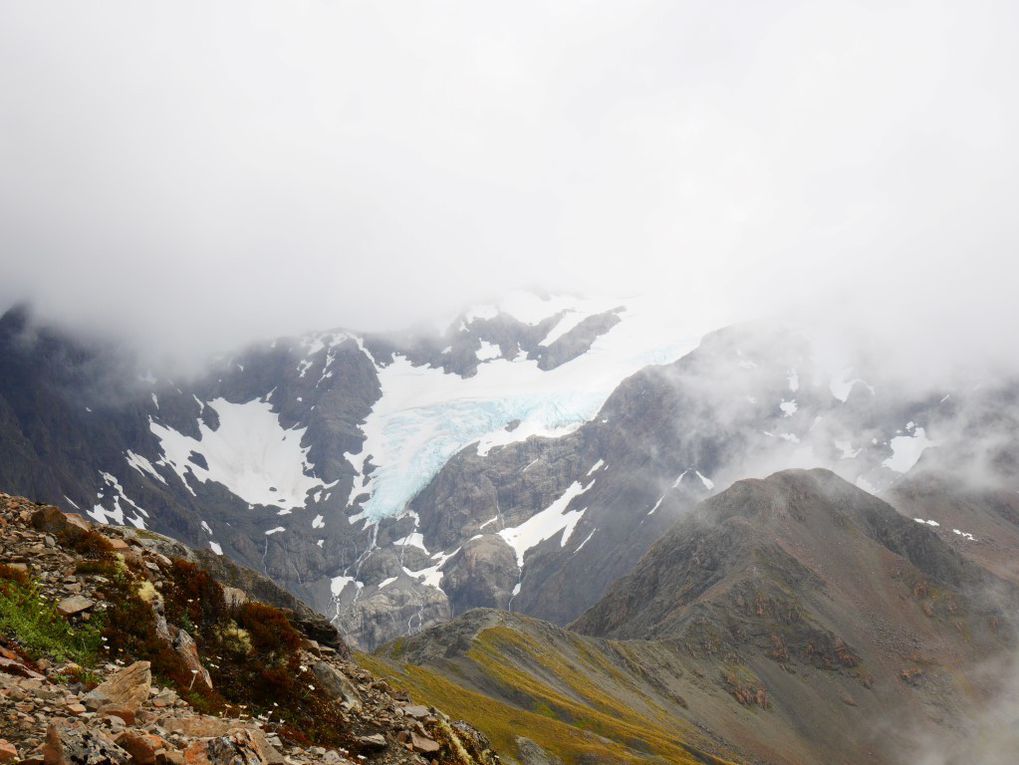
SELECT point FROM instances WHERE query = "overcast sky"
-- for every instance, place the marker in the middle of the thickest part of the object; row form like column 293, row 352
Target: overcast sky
column 203, row 173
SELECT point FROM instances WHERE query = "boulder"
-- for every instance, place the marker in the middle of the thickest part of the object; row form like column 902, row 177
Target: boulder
column 71, row 743
column 14, row 667
column 375, row 742
column 123, row 692
column 238, row 747
column 74, row 605
column 416, row 711
column 8, row 752
column 66, row 525
column 185, row 647
column 423, row 744
column 336, row 684
column 141, row 746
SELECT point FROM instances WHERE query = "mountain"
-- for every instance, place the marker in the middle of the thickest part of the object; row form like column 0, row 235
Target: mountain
column 298, row 456
column 119, row 646
column 524, row 457
column 748, row 400
column 785, row 620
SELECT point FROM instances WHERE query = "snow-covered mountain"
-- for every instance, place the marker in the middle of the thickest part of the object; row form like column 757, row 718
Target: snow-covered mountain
column 291, row 455
column 523, row 457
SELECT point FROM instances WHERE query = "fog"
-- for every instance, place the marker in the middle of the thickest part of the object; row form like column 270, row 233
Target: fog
column 189, row 177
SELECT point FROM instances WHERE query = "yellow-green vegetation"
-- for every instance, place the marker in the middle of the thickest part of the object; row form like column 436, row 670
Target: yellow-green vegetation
column 557, row 705
column 41, row 632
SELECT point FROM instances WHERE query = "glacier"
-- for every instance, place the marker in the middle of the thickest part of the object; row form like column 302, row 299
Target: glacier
column 425, row 416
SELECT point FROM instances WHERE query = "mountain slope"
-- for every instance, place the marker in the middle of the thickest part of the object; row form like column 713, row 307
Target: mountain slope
column 93, row 622
column 529, row 684
column 791, row 619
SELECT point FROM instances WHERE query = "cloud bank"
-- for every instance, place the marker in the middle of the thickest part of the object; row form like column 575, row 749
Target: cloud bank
column 194, row 176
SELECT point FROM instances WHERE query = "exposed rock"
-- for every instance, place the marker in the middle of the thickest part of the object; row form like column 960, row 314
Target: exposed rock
column 336, row 684
column 74, row 744
column 141, row 746
column 532, row 754
column 14, row 667
column 8, row 752
column 424, row 744
column 374, row 742
column 74, row 605
column 237, row 747
column 124, row 692
column 185, row 647
column 417, row 711
column 67, row 525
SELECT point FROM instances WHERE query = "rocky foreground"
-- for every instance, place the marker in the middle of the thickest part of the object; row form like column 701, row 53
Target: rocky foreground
column 112, row 651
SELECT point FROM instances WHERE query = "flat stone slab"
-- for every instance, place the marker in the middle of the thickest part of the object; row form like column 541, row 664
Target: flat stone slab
column 74, row 605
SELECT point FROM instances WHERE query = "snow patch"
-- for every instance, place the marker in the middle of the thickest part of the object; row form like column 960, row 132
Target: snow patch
column 412, row 540
column 102, row 515
column 216, row 548
column 586, row 540
column 142, row 465
column 339, row 583
column 250, row 453
column 597, row 466
column 488, row 351
column 547, row 523
column 906, row 450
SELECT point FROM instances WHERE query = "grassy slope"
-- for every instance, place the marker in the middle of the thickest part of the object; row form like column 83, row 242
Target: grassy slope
column 555, row 697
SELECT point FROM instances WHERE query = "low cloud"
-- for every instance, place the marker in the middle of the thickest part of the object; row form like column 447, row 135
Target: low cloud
column 190, row 178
